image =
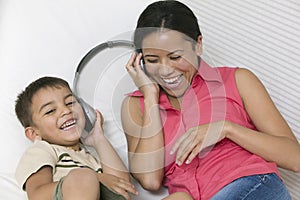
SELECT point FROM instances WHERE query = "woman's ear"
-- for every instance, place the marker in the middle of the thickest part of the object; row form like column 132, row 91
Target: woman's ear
column 32, row 134
column 199, row 46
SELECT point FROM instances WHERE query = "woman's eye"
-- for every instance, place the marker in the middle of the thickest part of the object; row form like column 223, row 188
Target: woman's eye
column 175, row 57
column 152, row 60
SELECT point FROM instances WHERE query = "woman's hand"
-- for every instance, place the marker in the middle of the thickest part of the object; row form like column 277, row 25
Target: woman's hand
column 196, row 139
column 117, row 185
column 138, row 75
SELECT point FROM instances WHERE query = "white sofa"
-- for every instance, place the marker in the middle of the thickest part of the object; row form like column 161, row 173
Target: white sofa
column 50, row 37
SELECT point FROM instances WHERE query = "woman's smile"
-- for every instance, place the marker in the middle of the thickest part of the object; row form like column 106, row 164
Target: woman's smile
column 172, row 82
column 171, row 60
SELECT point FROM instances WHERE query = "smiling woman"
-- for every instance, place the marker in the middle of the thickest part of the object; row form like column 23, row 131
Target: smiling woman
column 207, row 129
column 171, row 49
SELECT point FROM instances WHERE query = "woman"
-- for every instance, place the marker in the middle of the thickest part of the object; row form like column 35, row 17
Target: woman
column 211, row 132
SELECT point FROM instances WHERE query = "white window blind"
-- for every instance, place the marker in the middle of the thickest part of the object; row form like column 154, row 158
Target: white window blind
column 264, row 36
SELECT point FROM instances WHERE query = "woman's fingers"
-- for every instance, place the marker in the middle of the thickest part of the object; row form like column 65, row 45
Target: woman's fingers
column 178, row 143
column 137, row 62
column 129, row 65
column 194, row 153
column 133, row 65
column 185, row 149
column 187, row 146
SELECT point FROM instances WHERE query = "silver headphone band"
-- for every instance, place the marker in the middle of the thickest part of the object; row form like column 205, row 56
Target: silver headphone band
column 96, row 50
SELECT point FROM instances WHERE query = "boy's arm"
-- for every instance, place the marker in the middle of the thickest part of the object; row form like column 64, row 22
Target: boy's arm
column 40, row 185
column 110, row 160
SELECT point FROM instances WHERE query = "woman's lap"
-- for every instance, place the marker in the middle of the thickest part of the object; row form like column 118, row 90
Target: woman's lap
column 265, row 186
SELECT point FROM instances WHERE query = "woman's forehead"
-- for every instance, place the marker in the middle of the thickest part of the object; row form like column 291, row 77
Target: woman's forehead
column 167, row 40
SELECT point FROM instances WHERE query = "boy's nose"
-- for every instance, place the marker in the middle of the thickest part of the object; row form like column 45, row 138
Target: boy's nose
column 65, row 110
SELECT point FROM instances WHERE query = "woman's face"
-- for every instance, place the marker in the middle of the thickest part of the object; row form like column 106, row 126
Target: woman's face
column 171, row 60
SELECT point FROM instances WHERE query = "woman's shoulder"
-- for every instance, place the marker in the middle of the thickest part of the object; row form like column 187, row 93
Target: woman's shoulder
column 239, row 73
column 244, row 75
column 136, row 93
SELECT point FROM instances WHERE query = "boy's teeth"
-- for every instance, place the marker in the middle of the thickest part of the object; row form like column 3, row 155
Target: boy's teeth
column 68, row 123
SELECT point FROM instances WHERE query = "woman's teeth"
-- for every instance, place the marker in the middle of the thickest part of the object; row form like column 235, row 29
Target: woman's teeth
column 171, row 80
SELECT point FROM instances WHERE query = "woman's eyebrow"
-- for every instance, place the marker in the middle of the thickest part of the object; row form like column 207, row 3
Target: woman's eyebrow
column 170, row 53
column 175, row 51
column 149, row 55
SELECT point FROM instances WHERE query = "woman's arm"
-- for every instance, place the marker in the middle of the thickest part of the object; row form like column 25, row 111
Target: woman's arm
column 143, row 130
column 274, row 140
column 145, row 141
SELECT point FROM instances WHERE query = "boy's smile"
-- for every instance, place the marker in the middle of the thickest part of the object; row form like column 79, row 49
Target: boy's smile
column 57, row 116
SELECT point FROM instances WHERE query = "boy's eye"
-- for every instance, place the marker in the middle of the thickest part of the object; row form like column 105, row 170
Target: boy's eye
column 49, row 111
column 70, row 103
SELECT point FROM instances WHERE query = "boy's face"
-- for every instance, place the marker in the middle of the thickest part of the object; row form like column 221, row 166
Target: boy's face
column 57, row 116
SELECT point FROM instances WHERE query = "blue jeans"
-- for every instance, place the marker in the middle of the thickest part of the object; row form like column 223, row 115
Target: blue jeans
column 256, row 187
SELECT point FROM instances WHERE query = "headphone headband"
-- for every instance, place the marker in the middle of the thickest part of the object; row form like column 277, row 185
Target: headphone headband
column 96, row 50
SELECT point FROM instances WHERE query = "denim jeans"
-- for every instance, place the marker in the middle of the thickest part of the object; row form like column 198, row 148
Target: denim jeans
column 256, row 187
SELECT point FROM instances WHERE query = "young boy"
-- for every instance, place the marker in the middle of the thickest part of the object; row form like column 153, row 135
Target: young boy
column 57, row 165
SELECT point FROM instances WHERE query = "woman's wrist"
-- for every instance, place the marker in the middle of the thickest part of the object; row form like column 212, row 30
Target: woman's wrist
column 151, row 100
column 228, row 129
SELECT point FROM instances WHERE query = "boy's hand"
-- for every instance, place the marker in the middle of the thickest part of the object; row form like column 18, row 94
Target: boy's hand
column 97, row 132
column 117, row 185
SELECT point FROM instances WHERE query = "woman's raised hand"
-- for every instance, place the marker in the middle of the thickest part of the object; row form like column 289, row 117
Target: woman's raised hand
column 138, row 75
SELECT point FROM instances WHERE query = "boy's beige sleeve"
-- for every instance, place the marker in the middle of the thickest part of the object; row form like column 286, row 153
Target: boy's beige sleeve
column 39, row 154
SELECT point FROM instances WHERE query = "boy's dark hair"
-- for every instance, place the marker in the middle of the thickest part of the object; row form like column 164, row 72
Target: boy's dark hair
column 24, row 99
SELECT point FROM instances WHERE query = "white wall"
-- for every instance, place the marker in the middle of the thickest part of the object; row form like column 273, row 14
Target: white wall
column 49, row 37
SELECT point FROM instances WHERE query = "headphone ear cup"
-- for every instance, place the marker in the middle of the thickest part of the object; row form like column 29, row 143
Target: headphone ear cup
column 90, row 115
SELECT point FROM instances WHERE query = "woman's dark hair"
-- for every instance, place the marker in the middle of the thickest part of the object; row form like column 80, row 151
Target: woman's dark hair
column 24, row 99
column 169, row 14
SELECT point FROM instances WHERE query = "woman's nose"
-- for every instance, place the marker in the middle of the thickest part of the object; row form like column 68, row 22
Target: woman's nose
column 166, row 68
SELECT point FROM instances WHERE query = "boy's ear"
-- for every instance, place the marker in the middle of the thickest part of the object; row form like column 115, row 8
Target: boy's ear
column 32, row 134
column 199, row 46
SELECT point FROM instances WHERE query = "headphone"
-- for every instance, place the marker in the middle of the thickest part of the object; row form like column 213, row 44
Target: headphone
column 89, row 111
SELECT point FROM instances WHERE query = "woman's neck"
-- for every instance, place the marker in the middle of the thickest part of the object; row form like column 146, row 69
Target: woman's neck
column 175, row 102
